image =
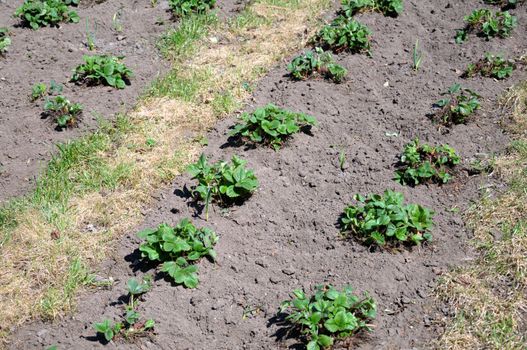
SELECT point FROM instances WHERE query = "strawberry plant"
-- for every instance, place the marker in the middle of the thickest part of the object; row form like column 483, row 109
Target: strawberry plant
column 106, row 70
column 131, row 324
column 494, row 66
column 316, row 62
column 5, row 41
column 38, row 91
column 387, row 7
column 62, row 111
column 178, row 248
column 42, row 13
column 487, row 24
column 421, row 163
column 271, row 125
column 329, row 314
column 345, row 34
column 182, row 8
column 455, row 109
column 221, row 181
column 381, row 219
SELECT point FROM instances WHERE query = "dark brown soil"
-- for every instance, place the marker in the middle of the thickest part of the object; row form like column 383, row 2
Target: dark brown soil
column 285, row 236
column 26, row 140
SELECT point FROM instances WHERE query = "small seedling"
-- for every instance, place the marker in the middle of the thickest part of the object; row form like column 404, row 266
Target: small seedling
column 329, row 314
column 116, row 22
column 345, row 34
column 182, row 8
column 42, row 13
column 108, row 329
column 106, row 70
column 460, row 105
column 487, row 24
column 422, row 163
column 62, row 111
column 150, row 142
column 5, row 41
column 387, row 7
column 382, row 219
column 342, row 160
column 55, row 88
column 493, row 66
column 38, row 91
column 271, row 125
column 90, row 35
column 178, row 248
column 316, row 62
column 417, row 56
column 223, row 182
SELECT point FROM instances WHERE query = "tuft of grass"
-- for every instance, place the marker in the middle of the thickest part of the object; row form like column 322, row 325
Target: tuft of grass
column 490, row 295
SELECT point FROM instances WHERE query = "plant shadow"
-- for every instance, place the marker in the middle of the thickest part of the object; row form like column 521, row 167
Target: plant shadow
column 286, row 331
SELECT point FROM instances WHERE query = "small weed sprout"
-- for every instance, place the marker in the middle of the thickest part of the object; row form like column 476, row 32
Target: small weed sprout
column 223, row 182
column 271, row 125
column 487, row 24
column 316, row 62
column 177, row 248
column 329, row 314
column 90, row 35
column 422, row 163
column 42, row 13
column 62, row 111
column 417, row 56
column 382, row 219
column 182, row 8
column 493, row 66
column 387, row 7
column 5, row 41
column 117, row 25
column 131, row 325
column 458, row 107
column 106, row 70
column 345, row 34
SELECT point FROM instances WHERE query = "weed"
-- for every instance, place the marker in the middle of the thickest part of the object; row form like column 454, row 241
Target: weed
column 383, row 218
column 421, row 163
column 42, row 13
column 417, row 56
column 271, row 125
column 177, row 248
column 461, row 104
column 62, row 111
column 117, row 25
column 494, row 66
column 345, row 34
column 131, row 325
column 318, row 61
column 182, row 8
column 5, row 40
column 329, row 314
column 387, row 7
column 222, row 181
column 38, row 91
column 342, row 160
column 483, row 22
column 106, row 70
column 90, row 35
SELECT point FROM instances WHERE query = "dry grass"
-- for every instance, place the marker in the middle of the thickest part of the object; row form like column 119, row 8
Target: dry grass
column 45, row 260
column 490, row 296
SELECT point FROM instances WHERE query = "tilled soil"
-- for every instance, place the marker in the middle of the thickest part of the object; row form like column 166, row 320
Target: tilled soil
column 26, row 140
column 286, row 236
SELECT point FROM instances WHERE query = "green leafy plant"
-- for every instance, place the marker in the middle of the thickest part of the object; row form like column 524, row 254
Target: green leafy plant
column 182, row 8
column 421, row 163
column 381, row 219
column 316, row 62
column 5, row 41
column 271, row 125
column 417, row 56
column 222, row 181
column 329, row 314
column 494, row 66
column 38, row 91
column 62, row 111
column 106, row 70
column 344, row 34
column 487, row 24
column 387, row 7
column 178, row 248
column 131, row 324
column 458, row 106
column 42, row 13
column 505, row 4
